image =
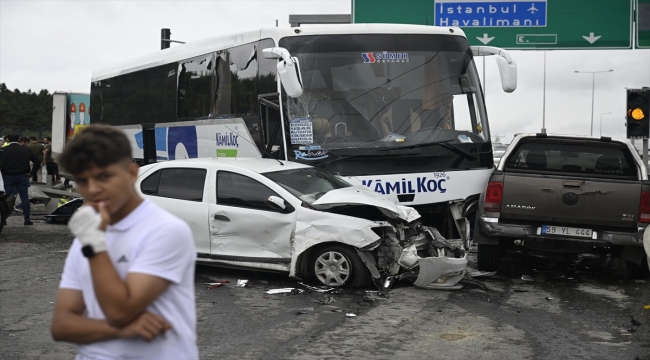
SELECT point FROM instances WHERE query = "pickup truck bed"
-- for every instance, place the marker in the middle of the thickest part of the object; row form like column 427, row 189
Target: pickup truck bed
column 565, row 194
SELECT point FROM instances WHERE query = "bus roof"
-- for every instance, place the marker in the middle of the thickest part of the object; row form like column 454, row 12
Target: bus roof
column 205, row 46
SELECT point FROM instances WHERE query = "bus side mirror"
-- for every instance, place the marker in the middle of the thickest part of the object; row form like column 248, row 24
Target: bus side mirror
column 507, row 66
column 288, row 70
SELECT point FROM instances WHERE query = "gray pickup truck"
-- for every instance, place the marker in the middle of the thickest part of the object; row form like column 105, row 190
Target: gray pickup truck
column 568, row 194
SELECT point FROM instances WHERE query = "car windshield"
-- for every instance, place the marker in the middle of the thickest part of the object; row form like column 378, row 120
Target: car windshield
column 307, row 184
column 385, row 90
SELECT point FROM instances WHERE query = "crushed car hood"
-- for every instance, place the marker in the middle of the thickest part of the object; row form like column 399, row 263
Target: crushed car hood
column 361, row 196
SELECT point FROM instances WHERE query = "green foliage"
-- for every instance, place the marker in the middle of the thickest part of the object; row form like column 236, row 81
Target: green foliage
column 27, row 111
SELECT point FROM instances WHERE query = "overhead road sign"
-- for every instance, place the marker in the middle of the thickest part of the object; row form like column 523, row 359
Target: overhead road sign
column 643, row 24
column 516, row 24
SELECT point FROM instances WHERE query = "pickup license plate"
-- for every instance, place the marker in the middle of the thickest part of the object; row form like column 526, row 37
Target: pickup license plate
column 566, row 231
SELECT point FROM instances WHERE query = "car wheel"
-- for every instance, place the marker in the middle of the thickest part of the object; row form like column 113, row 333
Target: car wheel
column 336, row 266
column 488, row 257
column 635, row 271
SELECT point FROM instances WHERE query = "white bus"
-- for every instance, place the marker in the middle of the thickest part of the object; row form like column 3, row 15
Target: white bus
column 396, row 108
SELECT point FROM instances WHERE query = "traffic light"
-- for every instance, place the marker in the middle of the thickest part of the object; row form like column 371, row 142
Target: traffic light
column 165, row 36
column 638, row 113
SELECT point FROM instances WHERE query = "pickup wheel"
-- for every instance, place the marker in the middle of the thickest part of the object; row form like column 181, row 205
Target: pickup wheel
column 488, row 257
column 635, row 271
column 336, row 266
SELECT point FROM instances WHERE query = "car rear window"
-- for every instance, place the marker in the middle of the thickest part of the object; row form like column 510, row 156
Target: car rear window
column 582, row 159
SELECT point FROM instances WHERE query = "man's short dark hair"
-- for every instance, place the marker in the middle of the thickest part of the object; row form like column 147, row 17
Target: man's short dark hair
column 96, row 145
column 24, row 139
column 48, row 138
column 13, row 137
column 33, row 138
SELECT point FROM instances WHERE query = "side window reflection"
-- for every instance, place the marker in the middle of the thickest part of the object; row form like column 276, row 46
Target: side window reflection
column 182, row 184
column 242, row 191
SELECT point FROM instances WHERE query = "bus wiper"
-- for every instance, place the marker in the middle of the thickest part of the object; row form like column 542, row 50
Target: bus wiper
column 445, row 143
column 418, row 145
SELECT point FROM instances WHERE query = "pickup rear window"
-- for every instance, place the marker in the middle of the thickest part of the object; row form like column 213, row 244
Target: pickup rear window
column 573, row 159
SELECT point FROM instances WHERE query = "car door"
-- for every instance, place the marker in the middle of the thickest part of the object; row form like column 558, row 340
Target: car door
column 182, row 192
column 244, row 225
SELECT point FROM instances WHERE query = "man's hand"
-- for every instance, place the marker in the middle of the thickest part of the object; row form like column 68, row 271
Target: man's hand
column 146, row 326
column 86, row 224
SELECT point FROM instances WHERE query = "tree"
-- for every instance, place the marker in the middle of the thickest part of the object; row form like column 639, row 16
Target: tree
column 25, row 112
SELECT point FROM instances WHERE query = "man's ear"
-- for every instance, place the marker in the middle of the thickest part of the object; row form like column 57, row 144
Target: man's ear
column 133, row 170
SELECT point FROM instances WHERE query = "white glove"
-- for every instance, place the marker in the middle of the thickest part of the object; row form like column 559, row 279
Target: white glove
column 85, row 224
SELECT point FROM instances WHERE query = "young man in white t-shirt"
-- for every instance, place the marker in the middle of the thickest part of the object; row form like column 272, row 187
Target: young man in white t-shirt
column 127, row 288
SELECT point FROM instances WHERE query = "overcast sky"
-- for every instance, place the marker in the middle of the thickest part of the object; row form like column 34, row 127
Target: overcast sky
column 55, row 45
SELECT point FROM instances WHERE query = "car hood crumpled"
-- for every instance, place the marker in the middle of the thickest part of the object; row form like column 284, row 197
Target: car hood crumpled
column 361, row 196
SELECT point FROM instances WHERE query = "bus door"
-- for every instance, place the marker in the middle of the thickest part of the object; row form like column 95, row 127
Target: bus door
column 271, row 127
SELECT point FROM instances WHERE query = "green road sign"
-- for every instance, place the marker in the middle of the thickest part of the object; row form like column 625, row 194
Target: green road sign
column 643, row 24
column 516, row 24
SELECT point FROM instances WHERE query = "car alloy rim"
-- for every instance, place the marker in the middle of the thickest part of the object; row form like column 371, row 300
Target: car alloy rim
column 332, row 268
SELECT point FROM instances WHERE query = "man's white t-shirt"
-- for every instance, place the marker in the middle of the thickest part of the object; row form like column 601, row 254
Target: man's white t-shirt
column 148, row 241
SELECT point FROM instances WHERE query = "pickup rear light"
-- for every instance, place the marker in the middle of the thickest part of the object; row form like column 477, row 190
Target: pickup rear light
column 494, row 192
column 644, row 208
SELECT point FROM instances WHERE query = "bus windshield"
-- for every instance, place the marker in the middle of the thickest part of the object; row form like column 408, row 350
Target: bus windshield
column 385, row 91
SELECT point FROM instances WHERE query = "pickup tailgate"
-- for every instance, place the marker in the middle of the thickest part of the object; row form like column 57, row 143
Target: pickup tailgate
column 571, row 182
column 558, row 200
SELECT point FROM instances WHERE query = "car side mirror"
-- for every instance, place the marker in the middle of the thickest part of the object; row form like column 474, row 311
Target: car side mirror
column 288, row 70
column 507, row 66
column 279, row 202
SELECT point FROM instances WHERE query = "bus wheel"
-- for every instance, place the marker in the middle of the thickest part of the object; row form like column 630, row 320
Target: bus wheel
column 488, row 257
column 336, row 266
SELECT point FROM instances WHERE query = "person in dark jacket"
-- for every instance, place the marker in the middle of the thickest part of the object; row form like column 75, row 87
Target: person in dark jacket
column 37, row 149
column 16, row 172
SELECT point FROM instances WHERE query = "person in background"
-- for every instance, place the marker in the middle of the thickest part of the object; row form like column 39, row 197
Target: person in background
column 37, row 149
column 23, row 141
column 6, row 141
column 15, row 171
column 51, row 167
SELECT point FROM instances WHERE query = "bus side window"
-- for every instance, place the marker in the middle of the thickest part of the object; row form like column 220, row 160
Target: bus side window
column 194, row 85
column 221, row 84
column 161, row 95
column 267, row 69
column 243, row 69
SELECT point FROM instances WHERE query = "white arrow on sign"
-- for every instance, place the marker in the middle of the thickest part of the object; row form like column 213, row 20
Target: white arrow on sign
column 485, row 39
column 591, row 38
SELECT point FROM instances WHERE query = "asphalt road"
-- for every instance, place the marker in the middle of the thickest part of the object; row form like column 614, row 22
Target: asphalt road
column 573, row 309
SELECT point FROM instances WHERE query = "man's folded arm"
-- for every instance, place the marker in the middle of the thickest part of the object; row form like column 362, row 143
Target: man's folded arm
column 122, row 301
column 69, row 324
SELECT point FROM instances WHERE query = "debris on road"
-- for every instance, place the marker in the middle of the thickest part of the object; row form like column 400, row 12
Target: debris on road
column 634, row 322
column 242, row 283
column 473, row 283
column 328, row 300
column 320, row 289
column 527, row 278
column 285, row 291
column 337, row 310
column 549, row 298
column 473, row 273
column 304, row 311
column 214, row 285
column 350, row 315
column 221, row 281
column 647, row 307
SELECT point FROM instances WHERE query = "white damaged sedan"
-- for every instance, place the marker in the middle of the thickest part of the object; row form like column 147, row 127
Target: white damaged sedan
column 284, row 216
